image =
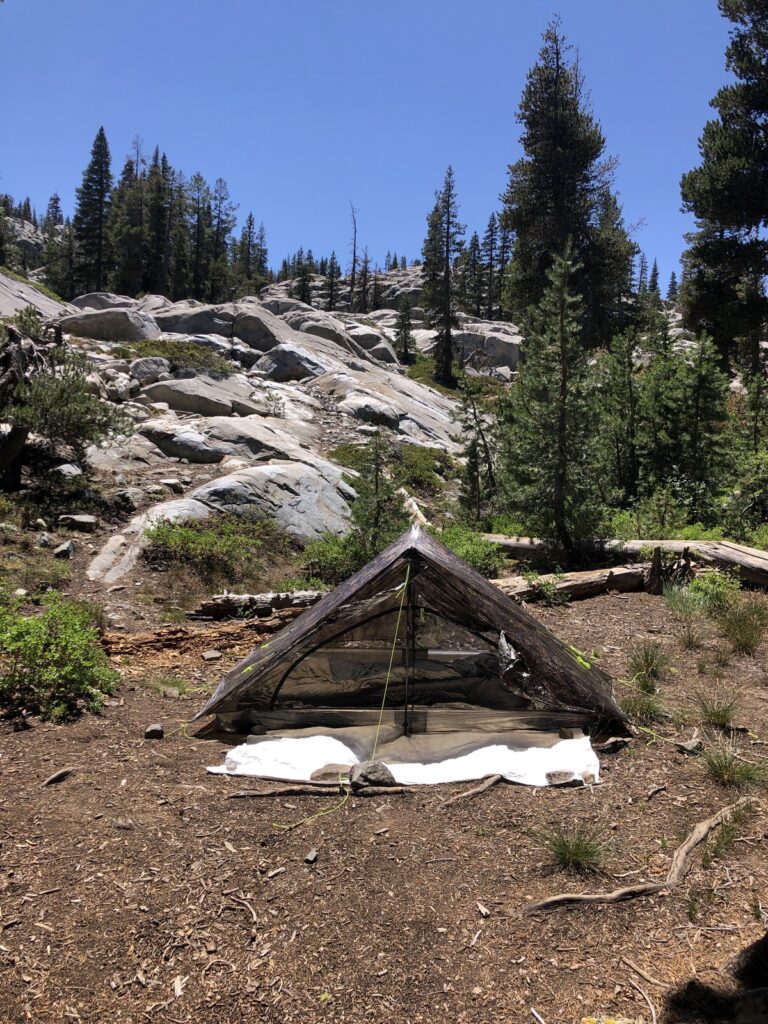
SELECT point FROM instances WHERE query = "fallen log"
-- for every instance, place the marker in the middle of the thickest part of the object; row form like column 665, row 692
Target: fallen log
column 247, row 606
column 576, row 585
column 681, row 862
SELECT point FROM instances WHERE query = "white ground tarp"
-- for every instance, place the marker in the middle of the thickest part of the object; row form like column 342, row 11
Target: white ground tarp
column 417, row 760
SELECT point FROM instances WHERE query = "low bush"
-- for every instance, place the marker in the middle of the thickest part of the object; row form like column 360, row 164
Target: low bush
column 579, row 848
column 333, row 559
column 226, row 549
column 744, row 624
column 646, row 663
column 683, row 602
column 717, row 590
column 483, row 555
column 187, row 355
column 52, row 663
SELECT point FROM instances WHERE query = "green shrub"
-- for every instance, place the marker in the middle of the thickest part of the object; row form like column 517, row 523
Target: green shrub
column 579, row 848
column 483, row 555
column 690, row 637
column 717, row 590
column 52, row 663
column 421, row 470
column 187, row 355
column 758, row 538
column 228, row 548
column 744, row 623
column 28, row 322
column 333, row 559
column 646, row 663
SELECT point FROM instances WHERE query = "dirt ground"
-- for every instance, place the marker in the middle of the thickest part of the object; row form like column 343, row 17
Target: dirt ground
column 135, row 891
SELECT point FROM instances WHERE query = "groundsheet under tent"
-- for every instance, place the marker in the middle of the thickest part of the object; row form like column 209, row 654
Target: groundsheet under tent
column 527, row 757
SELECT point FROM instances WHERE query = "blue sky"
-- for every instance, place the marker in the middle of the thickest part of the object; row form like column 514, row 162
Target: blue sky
column 303, row 106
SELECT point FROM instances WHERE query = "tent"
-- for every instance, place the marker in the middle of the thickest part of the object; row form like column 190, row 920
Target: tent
column 419, row 643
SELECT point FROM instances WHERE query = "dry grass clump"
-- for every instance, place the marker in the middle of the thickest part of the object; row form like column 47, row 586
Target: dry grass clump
column 578, row 848
column 647, row 662
column 718, row 706
column 642, row 708
column 744, row 622
column 724, row 766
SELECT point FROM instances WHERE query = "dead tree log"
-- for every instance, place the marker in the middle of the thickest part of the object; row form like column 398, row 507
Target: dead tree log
column 248, row 606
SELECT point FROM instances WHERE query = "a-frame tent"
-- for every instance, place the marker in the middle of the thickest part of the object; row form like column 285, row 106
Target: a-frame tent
column 417, row 580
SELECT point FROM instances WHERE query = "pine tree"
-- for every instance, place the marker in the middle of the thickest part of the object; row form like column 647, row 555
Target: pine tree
column 653, row 280
column 261, row 258
column 727, row 257
column 126, row 232
column 158, row 211
column 59, row 257
column 559, row 190
column 403, row 263
column 478, row 477
column 672, row 290
column 549, row 435
column 470, row 275
column 334, row 274
column 620, row 427
column 353, row 268
column 223, row 220
column 403, row 337
column 302, row 285
column 91, row 218
column 200, row 239
column 642, row 274
column 490, row 243
column 363, row 283
column 53, row 216
column 442, row 246
column 179, row 234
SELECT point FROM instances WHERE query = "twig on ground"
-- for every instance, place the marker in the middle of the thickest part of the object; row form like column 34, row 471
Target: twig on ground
column 638, row 970
column 675, row 875
column 644, row 994
column 467, row 793
column 538, row 1016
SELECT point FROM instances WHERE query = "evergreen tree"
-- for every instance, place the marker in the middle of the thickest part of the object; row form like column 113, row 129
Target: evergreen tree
column 223, row 220
column 549, row 439
column 653, row 280
column 642, row 274
column 363, row 283
column 59, row 256
column 200, row 236
column 91, row 218
column 261, row 256
column 559, row 190
column 302, row 285
column 179, row 235
column 403, row 337
column 478, row 477
column 470, row 274
column 53, row 216
column 376, row 289
column 620, row 424
column 334, row 275
column 159, row 189
column 403, row 263
column 126, row 232
column 672, row 290
column 442, row 246
column 727, row 257
column 490, row 253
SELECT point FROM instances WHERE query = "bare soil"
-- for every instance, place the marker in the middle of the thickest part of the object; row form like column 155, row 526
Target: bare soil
column 135, row 891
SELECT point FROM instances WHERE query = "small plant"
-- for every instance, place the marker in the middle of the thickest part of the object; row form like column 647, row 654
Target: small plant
column 726, row 836
column 29, row 323
column 483, row 555
column 642, row 708
column 721, row 657
column 275, row 404
column 579, row 848
column 161, row 682
column 52, row 663
column 647, row 662
column 717, row 707
column 744, row 622
column 683, row 602
column 690, row 637
column 724, row 766
column 187, row 355
column 717, row 590
column 697, row 901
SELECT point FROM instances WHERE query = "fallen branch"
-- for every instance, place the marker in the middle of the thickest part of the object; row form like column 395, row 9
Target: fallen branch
column 59, row 776
column 638, row 970
column 644, row 994
column 468, row 793
column 679, row 868
column 318, row 789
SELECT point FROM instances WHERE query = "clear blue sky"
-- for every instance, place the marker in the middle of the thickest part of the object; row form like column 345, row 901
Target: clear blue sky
column 303, row 106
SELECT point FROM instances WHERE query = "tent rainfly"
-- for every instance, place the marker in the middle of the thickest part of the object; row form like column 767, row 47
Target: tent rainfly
column 420, row 636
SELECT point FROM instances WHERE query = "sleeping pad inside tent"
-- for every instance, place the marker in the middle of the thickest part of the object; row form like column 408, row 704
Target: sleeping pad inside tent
column 419, row 662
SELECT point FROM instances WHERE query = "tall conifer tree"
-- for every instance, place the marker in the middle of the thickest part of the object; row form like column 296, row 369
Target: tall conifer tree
column 91, row 217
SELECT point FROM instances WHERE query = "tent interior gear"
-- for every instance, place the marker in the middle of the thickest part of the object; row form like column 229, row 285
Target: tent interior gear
column 420, row 645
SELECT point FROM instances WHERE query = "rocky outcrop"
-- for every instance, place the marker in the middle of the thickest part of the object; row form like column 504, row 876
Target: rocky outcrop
column 292, row 362
column 204, row 396
column 111, row 324
column 196, row 318
column 104, row 300
column 17, row 295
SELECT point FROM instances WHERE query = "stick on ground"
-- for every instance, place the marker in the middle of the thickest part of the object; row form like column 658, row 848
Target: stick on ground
column 467, row 793
column 678, row 869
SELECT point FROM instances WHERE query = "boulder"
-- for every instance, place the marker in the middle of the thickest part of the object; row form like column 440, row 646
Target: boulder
column 258, row 328
column 154, row 732
column 111, row 325
column 204, row 396
column 81, row 523
column 370, row 410
column 291, row 362
column 103, row 300
column 16, row 295
column 299, row 498
column 149, row 369
column 183, row 319
column 65, row 550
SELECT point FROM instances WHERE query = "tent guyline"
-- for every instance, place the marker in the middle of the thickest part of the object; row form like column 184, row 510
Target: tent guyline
column 471, row 657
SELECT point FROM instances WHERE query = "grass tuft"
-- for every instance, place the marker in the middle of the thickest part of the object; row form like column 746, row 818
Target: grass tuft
column 683, row 603
column 642, row 708
column 744, row 623
column 717, row 707
column 647, row 662
column 579, row 848
column 724, row 766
